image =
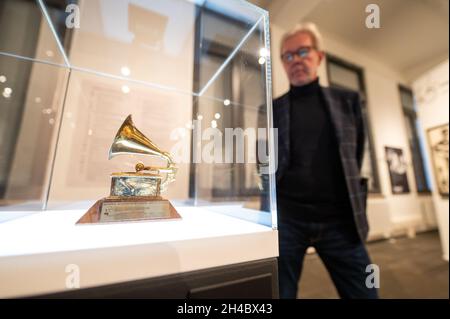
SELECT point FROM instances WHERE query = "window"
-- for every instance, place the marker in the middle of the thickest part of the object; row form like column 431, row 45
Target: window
column 342, row 74
column 414, row 139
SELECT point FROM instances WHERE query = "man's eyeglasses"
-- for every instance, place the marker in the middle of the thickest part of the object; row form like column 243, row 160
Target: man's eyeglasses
column 302, row 52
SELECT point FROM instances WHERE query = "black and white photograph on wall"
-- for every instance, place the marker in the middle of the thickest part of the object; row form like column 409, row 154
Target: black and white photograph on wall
column 438, row 140
column 397, row 170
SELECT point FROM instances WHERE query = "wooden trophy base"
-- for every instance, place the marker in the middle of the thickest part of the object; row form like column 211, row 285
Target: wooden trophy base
column 122, row 209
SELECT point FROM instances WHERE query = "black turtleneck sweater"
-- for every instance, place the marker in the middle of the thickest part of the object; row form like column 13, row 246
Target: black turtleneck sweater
column 314, row 187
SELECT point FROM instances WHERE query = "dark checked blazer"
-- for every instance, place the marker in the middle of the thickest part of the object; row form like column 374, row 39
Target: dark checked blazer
column 344, row 108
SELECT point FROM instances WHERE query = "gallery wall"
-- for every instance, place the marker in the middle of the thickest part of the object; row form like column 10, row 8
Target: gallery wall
column 432, row 92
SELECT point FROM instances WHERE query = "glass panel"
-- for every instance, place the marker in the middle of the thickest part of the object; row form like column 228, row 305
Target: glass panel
column 236, row 111
column 95, row 108
column 178, row 67
column 233, row 29
column 26, row 32
column 150, row 41
column 30, row 109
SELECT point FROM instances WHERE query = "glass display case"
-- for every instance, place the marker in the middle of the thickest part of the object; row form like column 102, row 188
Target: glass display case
column 194, row 75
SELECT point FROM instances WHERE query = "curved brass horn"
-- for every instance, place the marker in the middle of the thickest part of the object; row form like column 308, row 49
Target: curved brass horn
column 129, row 140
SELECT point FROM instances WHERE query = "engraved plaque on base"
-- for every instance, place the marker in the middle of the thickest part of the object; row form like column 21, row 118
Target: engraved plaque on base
column 110, row 209
column 123, row 211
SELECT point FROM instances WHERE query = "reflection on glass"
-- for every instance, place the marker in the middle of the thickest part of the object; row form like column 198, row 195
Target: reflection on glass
column 176, row 65
column 29, row 109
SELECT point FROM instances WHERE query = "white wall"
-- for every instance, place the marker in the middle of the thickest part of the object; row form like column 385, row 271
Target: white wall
column 433, row 111
column 388, row 213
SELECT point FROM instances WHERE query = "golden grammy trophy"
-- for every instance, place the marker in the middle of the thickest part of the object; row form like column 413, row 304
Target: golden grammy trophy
column 135, row 196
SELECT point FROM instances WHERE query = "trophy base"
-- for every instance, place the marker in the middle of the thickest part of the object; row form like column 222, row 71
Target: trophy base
column 119, row 209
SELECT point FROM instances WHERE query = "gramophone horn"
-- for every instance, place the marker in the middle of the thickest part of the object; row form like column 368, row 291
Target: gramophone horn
column 129, row 140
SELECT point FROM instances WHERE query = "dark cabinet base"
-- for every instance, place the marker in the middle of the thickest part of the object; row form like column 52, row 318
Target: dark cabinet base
column 256, row 279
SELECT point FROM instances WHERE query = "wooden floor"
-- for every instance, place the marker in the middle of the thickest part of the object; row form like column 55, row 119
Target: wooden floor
column 409, row 267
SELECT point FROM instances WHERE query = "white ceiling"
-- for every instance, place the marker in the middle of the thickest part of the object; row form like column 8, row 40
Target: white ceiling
column 414, row 34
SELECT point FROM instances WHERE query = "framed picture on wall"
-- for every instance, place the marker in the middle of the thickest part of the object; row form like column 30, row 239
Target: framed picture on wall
column 438, row 141
column 397, row 170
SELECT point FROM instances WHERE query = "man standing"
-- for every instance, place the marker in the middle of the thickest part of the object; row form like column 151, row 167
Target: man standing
column 320, row 195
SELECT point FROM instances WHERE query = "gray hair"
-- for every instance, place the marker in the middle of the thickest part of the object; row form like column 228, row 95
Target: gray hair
column 306, row 27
